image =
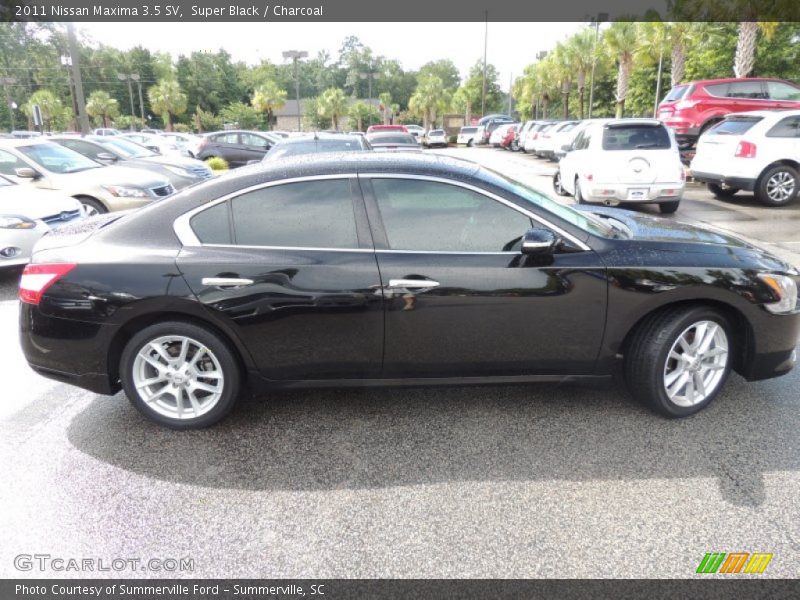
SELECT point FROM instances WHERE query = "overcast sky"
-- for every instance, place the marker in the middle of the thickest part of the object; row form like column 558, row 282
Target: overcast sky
column 511, row 45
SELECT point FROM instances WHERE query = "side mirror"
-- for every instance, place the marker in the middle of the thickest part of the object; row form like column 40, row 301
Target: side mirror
column 155, row 149
column 27, row 173
column 539, row 241
column 107, row 156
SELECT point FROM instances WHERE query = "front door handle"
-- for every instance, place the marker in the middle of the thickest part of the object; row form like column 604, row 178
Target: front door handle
column 224, row 282
column 413, row 283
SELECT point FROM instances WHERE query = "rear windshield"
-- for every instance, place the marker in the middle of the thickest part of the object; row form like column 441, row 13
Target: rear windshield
column 733, row 126
column 437, row 132
column 469, row 129
column 312, row 146
column 635, row 137
column 676, row 93
column 400, row 138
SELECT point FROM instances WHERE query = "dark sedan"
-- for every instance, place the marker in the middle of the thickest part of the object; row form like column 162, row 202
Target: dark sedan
column 236, row 147
column 178, row 170
column 365, row 269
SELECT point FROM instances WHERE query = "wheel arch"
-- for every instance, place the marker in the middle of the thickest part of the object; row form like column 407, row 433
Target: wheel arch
column 89, row 197
column 786, row 162
column 741, row 328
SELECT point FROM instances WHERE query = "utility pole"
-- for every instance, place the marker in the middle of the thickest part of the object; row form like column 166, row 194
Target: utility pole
column 130, row 78
column 658, row 82
column 138, row 81
column 597, row 19
column 296, row 55
column 67, row 62
column 369, row 75
column 75, row 67
column 485, row 47
column 8, row 82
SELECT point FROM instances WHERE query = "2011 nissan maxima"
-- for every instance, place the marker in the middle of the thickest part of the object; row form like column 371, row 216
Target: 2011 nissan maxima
column 362, row 269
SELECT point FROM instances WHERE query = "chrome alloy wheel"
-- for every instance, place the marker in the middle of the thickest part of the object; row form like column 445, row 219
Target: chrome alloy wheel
column 178, row 377
column 696, row 363
column 90, row 210
column 780, row 187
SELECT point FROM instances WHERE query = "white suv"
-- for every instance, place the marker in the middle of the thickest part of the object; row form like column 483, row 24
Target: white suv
column 756, row 151
column 623, row 161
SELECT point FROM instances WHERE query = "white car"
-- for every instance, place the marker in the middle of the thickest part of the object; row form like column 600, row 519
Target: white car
column 523, row 134
column 624, row 161
column 755, row 151
column 26, row 214
column 552, row 137
column 532, row 138
column 499, row 134
column 467, row 136
column 106, row 131
column 156, row 143
column 435, row 137
column 187, row 143
column 417, row 131
column 565, row 139
column 50, row 166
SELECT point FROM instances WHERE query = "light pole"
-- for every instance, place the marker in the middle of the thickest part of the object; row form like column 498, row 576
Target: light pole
column 129, row 77
column 369, row 75
column 296, row 55
column 600, row 17
column 539, row 56
column 7, row 82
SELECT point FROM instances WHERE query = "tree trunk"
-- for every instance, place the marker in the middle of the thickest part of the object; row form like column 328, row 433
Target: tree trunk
column 566, row 106
column 169, row 121
column 269, row 120
column 105, row 120
column 678, row 57
column 745, row 49
column 335, row 122
column 360, row 122
column 623, row 77
column 468, row 114
column 581, row 93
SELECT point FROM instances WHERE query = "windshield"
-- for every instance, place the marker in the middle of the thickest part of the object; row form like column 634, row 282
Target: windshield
column 579, row 219
column 58, row 159
column 636, row 137
column 127, row 148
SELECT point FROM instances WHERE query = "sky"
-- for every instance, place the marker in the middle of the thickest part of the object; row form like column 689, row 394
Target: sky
column 511, row 46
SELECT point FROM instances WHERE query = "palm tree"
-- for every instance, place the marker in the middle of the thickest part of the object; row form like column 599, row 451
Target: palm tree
column 745, row 58
column 386, row 103
column 332, row 105
column 361, row 111
column 100, row 104
column 49, row 106
column 581, row 50
column 167, row 99
column 622, row 40
column 563, row 69
column 429, row 97
column 268, row 98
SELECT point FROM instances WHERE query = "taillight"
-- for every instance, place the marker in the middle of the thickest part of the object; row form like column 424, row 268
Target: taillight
column 589, row 177
column 203, row 143
column 37, row 278
column 745, row 150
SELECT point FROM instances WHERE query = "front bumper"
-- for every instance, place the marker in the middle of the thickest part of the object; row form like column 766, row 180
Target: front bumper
column 18, row 244
column 742, row 183
column 614, row 193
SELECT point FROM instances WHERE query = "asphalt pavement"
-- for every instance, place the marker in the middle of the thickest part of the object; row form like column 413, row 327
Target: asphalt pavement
column 497, row 481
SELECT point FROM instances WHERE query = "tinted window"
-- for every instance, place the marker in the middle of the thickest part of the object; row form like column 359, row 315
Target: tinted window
column 312, row 214
column 746, row 89
column 9, row 162
column 733, row 126
column 312, row 146
column 786, row 128
column 212, row 226
column 469, row 129
column 437, row 132
column 718, row 89
column 430, row 216
column 676, row 93
column 248, row 139
column 635, row 137
column 782, row 91
column 226, row 138
column 82, row 147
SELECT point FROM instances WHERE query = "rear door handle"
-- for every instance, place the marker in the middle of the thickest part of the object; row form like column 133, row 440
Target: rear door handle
column 224, row 282
column 413, row 283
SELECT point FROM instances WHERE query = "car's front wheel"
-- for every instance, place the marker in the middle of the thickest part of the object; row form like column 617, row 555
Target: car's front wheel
column 578, row 193
column 777, row 186
column 557, row 186
column 92, row 207
column 180, row 375
column 678, row 360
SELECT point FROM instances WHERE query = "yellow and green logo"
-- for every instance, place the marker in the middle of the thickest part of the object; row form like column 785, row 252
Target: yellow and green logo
column 734, row 562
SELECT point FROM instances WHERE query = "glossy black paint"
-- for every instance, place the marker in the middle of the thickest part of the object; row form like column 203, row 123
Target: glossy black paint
column 322, row 317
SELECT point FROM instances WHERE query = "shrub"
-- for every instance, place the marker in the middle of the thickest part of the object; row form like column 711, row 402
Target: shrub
column 217, row 163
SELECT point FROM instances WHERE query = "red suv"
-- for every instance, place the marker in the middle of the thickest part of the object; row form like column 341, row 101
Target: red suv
column 384, row 128
column 691, row 108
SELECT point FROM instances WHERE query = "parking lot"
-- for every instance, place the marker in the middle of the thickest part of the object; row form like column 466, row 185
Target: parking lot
column 500, row 481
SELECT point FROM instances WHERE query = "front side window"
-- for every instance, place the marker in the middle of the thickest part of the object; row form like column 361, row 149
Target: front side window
column 437, row 217
column 778, row 90
column 81, row 147
column 310, row 214
column 9, row 163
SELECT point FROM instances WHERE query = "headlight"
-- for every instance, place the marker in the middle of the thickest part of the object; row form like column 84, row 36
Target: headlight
column 16, row 222
column 784, row 288
column 179, row 171
column 125, row 192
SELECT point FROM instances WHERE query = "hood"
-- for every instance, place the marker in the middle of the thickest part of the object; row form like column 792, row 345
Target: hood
column 112, row 175
column 34, row 203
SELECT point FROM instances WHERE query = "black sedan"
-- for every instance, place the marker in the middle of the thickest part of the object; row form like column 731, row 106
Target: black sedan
column 317, row 143
column 367, row 269
column 236, row 147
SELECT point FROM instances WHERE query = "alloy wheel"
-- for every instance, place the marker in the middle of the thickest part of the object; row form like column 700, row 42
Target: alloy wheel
column 780, row 187
column 696, row 363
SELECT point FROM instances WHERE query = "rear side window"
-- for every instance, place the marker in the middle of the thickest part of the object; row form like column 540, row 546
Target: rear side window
column 469, row 129
column 308, row 214
column 747, row 89
column 733, row 126
column 786, row 128
column 636, row 137
column 212, row 226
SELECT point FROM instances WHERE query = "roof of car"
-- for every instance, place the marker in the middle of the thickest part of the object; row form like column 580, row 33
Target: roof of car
column 732, row 79
column 765, row 113
column 320, row 137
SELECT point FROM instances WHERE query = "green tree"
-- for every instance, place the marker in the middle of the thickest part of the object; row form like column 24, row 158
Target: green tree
column 445, row 70
column 268, row 98
column 622, row 41
column 167, row 100
column 50, row 106
column 429, row 99
column 360, row 113
column 102, row 107
column 332, row 104
column 242, row 115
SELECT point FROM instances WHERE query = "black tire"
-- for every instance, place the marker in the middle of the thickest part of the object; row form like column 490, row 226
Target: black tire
column 220, row 349
column 646, row 357
column 766, row 194
column 557, row 187
column 721, row 192
column 469, row 143
column 93, row 206
column 667, row 208
column 578, row 194
column 515, row 146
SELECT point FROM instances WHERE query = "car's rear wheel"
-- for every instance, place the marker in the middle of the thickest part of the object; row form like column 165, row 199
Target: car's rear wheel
column 777, row 186
column 678, row 360
column 578, row 193
column 93, row 207
column 720, row 191
column 469, row 143
column 667, row 208
column 180, row 375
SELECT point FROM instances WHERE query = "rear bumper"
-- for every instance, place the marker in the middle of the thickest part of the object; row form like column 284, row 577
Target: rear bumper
column 619, row 194
column 743, row 183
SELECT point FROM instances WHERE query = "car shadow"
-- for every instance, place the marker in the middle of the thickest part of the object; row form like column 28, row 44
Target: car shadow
column 377, row 438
